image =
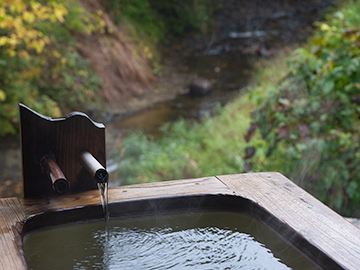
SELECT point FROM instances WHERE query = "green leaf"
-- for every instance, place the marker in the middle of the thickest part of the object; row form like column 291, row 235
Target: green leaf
column 351, row 189
column 328, row 87
column 2, row 95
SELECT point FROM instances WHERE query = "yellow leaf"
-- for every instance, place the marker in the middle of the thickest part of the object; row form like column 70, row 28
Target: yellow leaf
column 3, row 40
column 46, row 39
column 63, row 60
column 83, row 73
column 12, row 8
column 59, row 12
column 11, row 52
column 39, row 45
column 2, row 12
column 19, row 6
column 324, row 27
column 24, row 54
column 56, row 111
column 2, row 95
column 331, row 66
column 148, row 53
column 56, row 54
column 13, row 40
column 42, row 13
column 31, row 34
column 35, row 5
column 29, row 17
column 59, row 15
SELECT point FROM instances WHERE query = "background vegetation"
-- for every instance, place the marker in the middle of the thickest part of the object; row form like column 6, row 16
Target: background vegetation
column 305, row 124
column 301, row 119
column 153, row 24
column 39, row 61
column 159, row 21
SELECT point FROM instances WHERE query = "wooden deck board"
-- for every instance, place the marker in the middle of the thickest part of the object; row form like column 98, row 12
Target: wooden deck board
column 324, row 228
column 208, row 185
column 11, row 212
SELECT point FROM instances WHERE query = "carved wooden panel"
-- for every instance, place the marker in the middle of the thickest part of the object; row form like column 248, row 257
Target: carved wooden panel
column 63, row 139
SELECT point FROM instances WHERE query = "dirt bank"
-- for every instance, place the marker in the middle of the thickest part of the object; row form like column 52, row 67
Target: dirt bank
column 122, row 65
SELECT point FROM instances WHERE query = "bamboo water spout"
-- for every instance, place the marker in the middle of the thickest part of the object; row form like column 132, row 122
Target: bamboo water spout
column 59, row 182
column 61, row 155
column 97, row 171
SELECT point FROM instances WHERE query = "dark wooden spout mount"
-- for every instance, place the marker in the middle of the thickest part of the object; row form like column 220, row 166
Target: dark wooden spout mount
column 61, row 155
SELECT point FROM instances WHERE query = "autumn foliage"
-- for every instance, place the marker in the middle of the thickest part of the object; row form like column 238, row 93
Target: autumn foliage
column 39, row 64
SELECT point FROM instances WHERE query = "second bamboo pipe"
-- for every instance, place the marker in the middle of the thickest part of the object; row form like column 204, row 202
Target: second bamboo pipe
column 90, row 163
column 59, row 182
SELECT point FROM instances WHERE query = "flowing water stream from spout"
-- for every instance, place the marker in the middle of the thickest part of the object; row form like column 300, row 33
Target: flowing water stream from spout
column 103, row 189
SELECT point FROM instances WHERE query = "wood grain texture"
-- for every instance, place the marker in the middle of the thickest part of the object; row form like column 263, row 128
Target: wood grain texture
column 317, row 223
column 64, row 139
column 207, row 185
column 11, row 213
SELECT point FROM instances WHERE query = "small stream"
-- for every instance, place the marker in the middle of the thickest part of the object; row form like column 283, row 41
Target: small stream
column 228, row 75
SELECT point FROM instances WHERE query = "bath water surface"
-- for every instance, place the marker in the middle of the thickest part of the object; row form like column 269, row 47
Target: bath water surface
column 210, row 240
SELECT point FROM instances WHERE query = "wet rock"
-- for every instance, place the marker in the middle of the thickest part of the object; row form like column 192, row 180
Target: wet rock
column 200, row 87
column 250, row 132
column 249, row 152
column 247, row 167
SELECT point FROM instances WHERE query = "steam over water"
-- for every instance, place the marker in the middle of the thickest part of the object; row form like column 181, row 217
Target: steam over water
column 186, row 241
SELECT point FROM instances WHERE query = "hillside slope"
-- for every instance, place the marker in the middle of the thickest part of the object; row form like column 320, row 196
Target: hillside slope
column 121, row 64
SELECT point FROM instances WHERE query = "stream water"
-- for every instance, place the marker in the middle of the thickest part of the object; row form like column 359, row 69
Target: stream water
column 229, row 74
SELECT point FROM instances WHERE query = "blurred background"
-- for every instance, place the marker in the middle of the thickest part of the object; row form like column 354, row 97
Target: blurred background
column 193, row 88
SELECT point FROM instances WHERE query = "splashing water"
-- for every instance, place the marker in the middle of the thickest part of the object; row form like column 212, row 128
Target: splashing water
column 103, row 189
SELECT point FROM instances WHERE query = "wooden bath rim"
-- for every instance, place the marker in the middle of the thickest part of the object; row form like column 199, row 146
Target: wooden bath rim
column 317, row 231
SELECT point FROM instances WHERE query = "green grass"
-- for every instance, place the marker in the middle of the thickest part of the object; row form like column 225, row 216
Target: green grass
column 188, row 149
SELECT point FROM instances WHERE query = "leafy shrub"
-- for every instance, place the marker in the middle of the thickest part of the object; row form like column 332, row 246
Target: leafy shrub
column 158, row 20
column 39, row 64
column 310, row 123
column 181, row 17
column 139, row 16
column 154, row 23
